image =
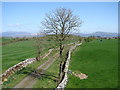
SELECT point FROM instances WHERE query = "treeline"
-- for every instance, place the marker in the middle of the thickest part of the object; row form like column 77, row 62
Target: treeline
column 13, row 40
column 91, row 38
column 86, row 39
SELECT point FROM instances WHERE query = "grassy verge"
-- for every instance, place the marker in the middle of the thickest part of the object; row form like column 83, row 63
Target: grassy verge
column 99, row 60
column 20, row 75
column 48, row 80
column 51, row 74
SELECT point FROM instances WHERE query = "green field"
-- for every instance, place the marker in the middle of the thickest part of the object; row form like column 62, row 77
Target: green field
column 99, row 60
column 20, row 75
column 15, row 52
column 51, row 74
column 5, row 39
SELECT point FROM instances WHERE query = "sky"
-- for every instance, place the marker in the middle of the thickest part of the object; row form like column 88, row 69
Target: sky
column 27, row 16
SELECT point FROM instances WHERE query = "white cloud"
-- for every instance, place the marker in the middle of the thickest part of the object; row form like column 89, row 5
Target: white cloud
column 15, row 25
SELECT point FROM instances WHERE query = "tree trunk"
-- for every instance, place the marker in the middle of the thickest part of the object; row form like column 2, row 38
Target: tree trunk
column 61, row 62
column 38, row 56
column 60, row 72
column 61, row 49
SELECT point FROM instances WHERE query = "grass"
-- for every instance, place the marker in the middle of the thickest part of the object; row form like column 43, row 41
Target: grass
column 0, row 57
column 5, row 39
column 99, row 60
column 14, row 53
column 20, row 75
column 50, row 80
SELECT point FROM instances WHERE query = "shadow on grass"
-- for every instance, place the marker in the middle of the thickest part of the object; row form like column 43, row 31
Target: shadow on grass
column 40, row 75
column 27, row 70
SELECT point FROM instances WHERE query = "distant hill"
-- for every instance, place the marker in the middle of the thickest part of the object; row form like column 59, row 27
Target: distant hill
column 27, row 34
column 102, row 34
column 16, row 34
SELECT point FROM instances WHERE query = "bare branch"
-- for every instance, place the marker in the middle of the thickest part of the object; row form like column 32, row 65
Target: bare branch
column 61, row 22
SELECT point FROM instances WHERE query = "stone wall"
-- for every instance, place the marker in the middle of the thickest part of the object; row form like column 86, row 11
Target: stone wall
column 63, row 83
column 19, row 66
column 23, row 64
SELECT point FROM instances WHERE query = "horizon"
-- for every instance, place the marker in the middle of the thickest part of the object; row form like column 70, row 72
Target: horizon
column 69, row 33
column 27, row 16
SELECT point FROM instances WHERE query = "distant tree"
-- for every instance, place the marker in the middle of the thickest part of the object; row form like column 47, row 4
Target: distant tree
column 39, row 42
column 17, row 38
column 80, row 39
column 61, row 22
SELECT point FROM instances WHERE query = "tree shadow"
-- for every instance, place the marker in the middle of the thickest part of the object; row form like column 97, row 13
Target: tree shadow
column 43, row 74
column 26, row 70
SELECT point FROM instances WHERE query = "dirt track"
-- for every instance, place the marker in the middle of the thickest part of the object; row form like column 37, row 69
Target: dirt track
column 31, row 79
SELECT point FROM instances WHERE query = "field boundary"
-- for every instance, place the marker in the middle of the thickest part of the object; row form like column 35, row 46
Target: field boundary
column 63, row 83
column 31, row 79
column 21, row 65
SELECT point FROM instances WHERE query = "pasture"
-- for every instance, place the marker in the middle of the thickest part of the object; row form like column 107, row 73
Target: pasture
column 99, row 60
column 50, row 77
column 16, row 52
column 13, row 53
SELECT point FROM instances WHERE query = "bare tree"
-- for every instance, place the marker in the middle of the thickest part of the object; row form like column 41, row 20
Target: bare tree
column 39, row 43
column 61, row 22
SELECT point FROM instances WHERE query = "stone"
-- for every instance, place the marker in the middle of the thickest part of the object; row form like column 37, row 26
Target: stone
column 5, row 80
column 83, row 76
column 14, row 78
column 1, row 82
column 69, row 72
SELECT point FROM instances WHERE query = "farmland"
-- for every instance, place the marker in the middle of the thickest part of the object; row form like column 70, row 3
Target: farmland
column 96, row 59
column 13, row 53
column 99, row 60
column 49, row 80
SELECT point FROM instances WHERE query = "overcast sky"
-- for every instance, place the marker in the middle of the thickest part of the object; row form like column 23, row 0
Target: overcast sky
column 27, row 16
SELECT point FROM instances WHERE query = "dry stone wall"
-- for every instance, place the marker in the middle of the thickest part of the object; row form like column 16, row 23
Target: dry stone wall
column 19, row 66
column 63, row 83
column 23, row 64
